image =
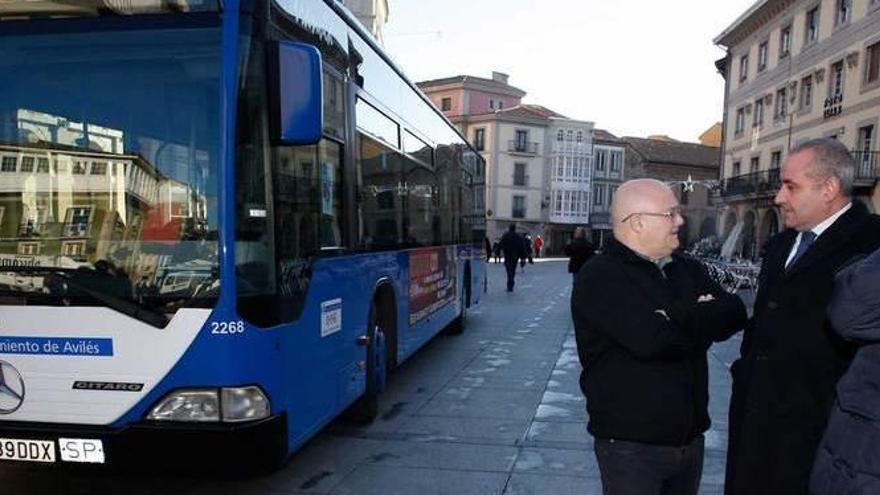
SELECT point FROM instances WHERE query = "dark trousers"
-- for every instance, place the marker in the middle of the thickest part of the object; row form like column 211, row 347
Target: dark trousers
column 510, row 265
column 632, row 468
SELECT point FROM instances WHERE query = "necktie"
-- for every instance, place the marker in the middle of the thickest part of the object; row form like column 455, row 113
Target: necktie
column 807, row 239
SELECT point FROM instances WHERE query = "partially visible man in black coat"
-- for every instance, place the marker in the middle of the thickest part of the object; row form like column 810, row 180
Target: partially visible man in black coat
column 644, row 319
column 512, row 246
column 790, row 360
column 579, row 250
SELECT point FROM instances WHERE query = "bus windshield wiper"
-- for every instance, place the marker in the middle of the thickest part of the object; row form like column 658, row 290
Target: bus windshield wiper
column 68, row 278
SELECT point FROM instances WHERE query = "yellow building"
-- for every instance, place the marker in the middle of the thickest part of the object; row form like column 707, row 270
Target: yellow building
column 795, row 70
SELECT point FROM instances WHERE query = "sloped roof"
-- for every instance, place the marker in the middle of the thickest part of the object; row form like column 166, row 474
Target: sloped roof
column 675, row 152
column 500, row 86
column 530, row 111
column 603, row 135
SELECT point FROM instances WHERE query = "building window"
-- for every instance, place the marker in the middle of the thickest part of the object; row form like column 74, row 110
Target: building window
column 480, row 139
column 446, row 104
column 598, row 195
column 762, row 56
column 569, row 136
column 775, row 159
column 42, row 165
column 560, row 171
column 560, row 135
column 557, row 205
column 519, row 174
column 872, row 63
column 812, row 26
column 8, row 164
column 77, row 221
column 491, row 104
column 740, row 120
column 807, row 92
column 99, row 168
column 835, row 84
column 844, row 11
column 736, row 170
column 758, row 113
column 31, row 248
column 755, row 164
column 519, row 207
column 522, row 140
column 77, row 248
column 79, row 168
column 27, row 164
column 616, row 158
column 781, row 108
column 601, row 157
column 580, row 136
column 864, row 156
column 743, row 68
column 785, row 41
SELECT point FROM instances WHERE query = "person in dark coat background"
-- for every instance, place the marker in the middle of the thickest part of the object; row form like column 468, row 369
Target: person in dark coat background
column 512, row 246
column 644, row 319
column 790, row 360
column 579, row 250
column 848, row 459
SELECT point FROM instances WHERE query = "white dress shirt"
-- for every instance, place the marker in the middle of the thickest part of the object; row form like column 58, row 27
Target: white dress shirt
column 818, row 229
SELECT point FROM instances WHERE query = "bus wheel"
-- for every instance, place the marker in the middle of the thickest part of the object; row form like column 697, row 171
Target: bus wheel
column 460, row 323
column 366, row 408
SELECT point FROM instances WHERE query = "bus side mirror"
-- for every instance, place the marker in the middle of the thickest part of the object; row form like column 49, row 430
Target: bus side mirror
column 296, row 93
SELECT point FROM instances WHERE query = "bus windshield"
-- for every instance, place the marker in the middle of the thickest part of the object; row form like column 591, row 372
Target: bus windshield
column 109, row 161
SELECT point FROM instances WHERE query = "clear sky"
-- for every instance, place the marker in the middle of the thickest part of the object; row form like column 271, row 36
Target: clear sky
column 634, row 67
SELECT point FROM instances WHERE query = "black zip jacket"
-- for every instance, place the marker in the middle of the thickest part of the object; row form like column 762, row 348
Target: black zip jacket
column 642, row 339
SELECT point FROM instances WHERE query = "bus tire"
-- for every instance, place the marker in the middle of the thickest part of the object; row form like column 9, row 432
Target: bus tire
column 366, row 408
column 459, row 324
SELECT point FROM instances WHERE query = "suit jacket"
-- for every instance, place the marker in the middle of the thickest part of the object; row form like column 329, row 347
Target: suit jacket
column 790, row 360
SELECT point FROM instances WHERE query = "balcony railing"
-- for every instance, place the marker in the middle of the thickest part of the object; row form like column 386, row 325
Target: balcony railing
column 526, row 147
column 762, row 183
column 867, row 164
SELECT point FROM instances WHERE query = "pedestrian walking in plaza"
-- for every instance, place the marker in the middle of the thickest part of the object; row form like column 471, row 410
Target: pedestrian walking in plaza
column 848, row 459
column 538, row 244
column 579, row 250
column 487, row 247
column 790, row 359
column 644, row 319
column 512, row 246
column 496, row 250
column 527, row 249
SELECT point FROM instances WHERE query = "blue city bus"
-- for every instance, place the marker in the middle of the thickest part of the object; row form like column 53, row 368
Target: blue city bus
column 222, row 224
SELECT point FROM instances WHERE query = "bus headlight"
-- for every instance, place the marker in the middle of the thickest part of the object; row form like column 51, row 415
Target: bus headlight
column 244, row 404
column 187, row 405
column 232, row 404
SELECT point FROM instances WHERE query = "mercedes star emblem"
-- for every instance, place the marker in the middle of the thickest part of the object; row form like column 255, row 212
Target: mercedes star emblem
column 11, row 388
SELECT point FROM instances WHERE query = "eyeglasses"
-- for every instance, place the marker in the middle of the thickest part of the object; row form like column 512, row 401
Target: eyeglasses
column 670, row 215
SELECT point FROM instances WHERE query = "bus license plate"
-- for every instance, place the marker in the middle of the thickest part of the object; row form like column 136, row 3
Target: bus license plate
column 81, row 450
column 16, row 449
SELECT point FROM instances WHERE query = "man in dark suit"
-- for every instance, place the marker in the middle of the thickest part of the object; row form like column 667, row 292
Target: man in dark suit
column 790, row 360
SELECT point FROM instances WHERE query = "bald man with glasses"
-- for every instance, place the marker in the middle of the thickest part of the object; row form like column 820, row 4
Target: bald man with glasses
column 644, row 317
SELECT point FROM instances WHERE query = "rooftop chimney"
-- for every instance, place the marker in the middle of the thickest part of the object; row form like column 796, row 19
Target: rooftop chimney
column 499, row 77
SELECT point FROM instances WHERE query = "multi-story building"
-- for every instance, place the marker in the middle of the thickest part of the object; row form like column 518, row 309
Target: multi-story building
column 609, row 161
column 538, row 162
column 690, row 169
column 795, row 70
column 373, row 14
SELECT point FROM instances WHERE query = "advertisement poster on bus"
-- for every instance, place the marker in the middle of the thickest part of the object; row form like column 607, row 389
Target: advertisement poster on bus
column 431, row 281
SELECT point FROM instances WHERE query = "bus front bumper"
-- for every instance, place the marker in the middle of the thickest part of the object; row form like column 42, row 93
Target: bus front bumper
column 257, row 444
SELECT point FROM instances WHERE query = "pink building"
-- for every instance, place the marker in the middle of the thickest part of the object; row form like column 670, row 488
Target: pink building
column 468, row 95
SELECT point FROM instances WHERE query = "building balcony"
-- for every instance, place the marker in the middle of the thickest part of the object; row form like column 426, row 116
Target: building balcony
column 867, row 167
column 600, row 220
column 764, row 183
column 522, row 147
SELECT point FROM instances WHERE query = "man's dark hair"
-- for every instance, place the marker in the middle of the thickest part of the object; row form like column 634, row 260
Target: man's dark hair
column 830, row 159
column 512, row 227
